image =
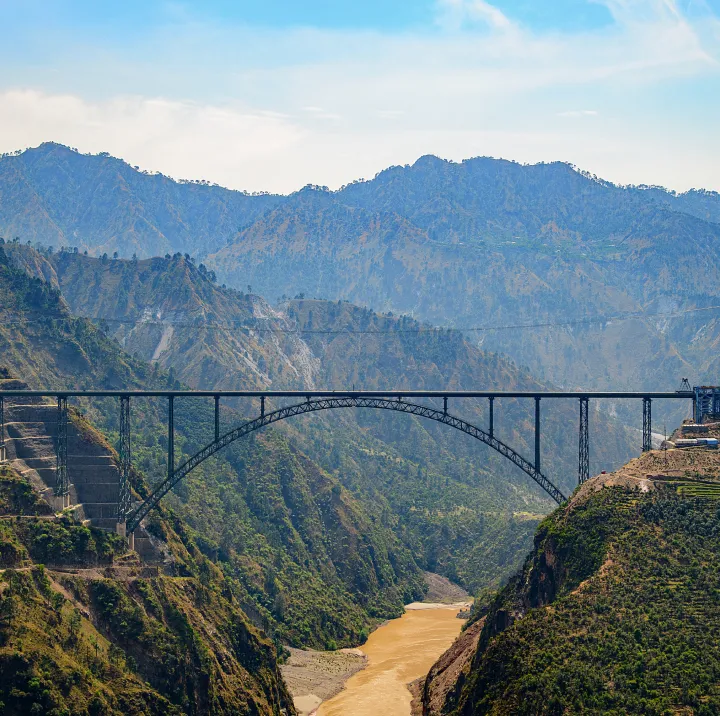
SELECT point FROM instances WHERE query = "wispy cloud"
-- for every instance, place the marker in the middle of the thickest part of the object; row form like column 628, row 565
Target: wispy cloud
column 578, row 113
column 181, row 139
column 390, row 113
column 454, row 14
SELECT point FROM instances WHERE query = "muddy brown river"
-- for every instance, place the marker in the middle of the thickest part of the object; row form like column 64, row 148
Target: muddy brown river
column 398, row 652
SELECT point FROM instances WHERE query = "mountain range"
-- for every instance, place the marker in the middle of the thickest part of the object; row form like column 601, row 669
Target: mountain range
column 588, row 284
column 480, row 274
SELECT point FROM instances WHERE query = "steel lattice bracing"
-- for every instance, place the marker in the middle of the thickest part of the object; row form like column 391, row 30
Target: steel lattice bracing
column 125, row 462
column 311, row 405
column 3, row 454
column 171, row 436
column 647, row 425
column 62, row 485
column 584, row 445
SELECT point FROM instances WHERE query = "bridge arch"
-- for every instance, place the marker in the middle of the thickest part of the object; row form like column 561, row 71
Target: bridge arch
column 331, row 403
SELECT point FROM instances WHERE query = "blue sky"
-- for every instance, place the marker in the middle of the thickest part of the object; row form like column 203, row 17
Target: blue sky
column 385, row 15
column 273, row 95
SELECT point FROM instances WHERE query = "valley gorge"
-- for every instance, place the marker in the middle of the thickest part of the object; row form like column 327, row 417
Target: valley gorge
column 305, row 541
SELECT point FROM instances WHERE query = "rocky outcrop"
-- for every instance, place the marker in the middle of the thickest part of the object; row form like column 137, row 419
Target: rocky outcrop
column 448, row 673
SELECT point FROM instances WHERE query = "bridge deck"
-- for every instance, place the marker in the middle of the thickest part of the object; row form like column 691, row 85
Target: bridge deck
column 679, row 394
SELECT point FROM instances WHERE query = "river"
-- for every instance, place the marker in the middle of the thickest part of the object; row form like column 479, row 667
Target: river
column 398, row 652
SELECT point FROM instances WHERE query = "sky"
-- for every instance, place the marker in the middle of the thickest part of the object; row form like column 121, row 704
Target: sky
column 270, row 95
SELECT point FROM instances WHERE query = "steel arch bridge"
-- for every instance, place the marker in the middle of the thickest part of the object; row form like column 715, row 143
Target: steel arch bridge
column 311, row 406
column 316, row 400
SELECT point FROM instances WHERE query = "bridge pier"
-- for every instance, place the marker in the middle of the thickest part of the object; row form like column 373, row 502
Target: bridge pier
column 217, row 417
column 171, row 435
column 3, row 452
column 584, row 446
column 537, row 433
column 647, row 424
column 123, row 508
column 62, row 485
column 491, row 431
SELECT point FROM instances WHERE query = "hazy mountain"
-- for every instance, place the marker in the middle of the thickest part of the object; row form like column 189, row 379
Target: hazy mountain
column 491, row 243
column 616, row 282
column 57, row 196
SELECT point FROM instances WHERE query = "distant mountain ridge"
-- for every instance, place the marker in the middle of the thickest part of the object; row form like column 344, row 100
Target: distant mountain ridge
column 57, row 196
column 60, row 197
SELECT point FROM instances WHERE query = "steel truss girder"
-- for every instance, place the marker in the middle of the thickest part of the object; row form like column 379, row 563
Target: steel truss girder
column 124, row 495
column 310, row 406
column 62, row 484
column 584, row 445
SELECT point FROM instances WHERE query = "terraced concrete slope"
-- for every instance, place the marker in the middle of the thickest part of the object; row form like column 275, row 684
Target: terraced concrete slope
column 31, row 425
column 94, row 478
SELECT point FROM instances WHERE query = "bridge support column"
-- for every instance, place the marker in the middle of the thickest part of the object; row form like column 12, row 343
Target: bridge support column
column 217, row 417
column 3, row 455
column 537, row 433
column 262, row 406
column 171, row 435
column 491, row 431
column 445, row 405
column 647, row 424
column 62, row 487
column 584, row 447
column 125, row 462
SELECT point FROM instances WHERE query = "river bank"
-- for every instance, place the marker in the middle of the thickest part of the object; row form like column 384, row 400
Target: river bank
column 399, row 652
column 404, row 648
column 316, row 676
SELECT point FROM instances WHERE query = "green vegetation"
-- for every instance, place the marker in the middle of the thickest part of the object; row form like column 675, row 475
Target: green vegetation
column 17, row 496
column 77, row 643
column 450, row 501
column 307, row 562
column 616, row 611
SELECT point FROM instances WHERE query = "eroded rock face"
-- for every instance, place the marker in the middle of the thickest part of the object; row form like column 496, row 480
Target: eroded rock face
column 448, row 673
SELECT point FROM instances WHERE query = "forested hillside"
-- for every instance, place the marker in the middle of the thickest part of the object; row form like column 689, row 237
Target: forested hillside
column 310, row 565
column 86, row 629
column 461, row 509
column 615, row 610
